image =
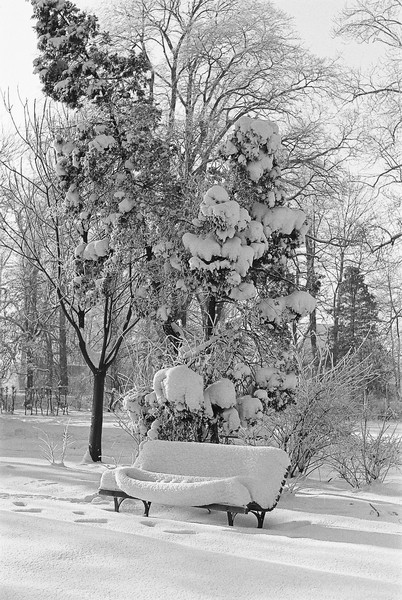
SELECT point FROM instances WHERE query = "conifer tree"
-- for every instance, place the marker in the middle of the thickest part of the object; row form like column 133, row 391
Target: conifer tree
column 358, row 314
column 235, row 263
column 357, row 326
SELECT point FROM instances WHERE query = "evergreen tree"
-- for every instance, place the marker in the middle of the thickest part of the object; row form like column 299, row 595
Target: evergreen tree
column 358, row 315
column 357, row 329
column 234, row 262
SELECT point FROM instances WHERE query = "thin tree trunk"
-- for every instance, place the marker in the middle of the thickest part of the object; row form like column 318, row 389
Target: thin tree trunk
column 49, row 360
column 336, row 309
column 95, row 434
column 395, row 339
column 63, row 350
column 30, row 369
column 312, row 287
column 210, row 316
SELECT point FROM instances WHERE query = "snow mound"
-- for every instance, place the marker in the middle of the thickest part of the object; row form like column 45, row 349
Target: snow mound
column 181, row 387
column 271, row 378
column 250, row 410
column 268, row 377
column 225, row 213
column 255, row 141
column 283, row 308
column 181, row 490
column 230, row 420
column 280, row 219
column 222, row 393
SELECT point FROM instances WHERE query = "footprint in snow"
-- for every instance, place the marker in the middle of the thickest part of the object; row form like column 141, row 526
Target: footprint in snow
column 292, row 525
column 78, row 512
column 19, row 503
column 180, row 531
column 90, row 521
column 147, row 523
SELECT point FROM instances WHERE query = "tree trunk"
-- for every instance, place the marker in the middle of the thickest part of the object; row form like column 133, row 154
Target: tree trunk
column 395, row 338
column 95, row 434
column 312, row 288
column 63, row 350
column 313, row 334
column 29, row 368
column 336, row 311
column 210, row 316
column 49, row 360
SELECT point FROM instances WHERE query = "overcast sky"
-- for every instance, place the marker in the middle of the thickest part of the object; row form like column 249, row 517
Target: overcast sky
column 312, row 19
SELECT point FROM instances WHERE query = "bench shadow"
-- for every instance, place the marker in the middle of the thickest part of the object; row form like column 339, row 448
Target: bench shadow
column 340, row 535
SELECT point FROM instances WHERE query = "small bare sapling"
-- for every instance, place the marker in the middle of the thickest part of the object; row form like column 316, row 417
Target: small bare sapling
column 52, row 449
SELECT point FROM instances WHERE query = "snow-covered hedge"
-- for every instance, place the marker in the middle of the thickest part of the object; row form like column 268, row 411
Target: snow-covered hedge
column 180, row 408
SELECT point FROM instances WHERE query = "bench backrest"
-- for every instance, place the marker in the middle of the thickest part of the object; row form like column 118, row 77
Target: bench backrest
column 262, row 467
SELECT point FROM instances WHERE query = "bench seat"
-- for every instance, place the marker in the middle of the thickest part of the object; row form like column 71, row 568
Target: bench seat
column 236, row 479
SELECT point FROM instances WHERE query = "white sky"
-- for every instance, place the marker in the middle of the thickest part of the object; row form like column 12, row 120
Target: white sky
column 313, row 20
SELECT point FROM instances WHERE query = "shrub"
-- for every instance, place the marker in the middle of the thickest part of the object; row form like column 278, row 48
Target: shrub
column 367, row 456
column 325, row 410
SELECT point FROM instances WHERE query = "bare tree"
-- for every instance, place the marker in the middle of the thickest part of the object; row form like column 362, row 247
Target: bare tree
column 35, row 230
column 212, row 63
column 378, row 96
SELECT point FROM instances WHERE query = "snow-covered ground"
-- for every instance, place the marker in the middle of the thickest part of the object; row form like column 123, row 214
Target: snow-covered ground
column 60, row 540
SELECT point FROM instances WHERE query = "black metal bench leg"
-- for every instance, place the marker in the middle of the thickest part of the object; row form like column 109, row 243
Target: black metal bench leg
column 147, row 506
column 231, row 517
column 117, row 503
column 260, row 518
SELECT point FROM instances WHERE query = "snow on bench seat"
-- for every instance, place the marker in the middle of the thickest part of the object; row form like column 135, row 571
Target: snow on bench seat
column 249, row 478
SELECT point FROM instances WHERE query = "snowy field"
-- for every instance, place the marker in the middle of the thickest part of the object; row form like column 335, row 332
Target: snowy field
column 61, row 541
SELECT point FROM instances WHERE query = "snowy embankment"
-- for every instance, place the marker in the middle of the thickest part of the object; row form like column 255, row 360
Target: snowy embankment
column 60, row 540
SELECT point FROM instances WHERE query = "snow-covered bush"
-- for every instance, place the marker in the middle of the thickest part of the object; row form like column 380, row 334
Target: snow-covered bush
column 222, row 397
column 366, row 456
column 250, row 411
column 176, row 409
column 325, row 412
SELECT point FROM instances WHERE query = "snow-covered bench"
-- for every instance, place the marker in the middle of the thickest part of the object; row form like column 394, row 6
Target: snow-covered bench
column 231, row 478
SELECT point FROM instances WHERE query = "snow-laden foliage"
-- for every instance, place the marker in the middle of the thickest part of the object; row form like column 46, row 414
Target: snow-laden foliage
column 113, row 196
column 132, row 228
column 75, row 62
column 112, row 168
column 113, row 186
column 242, row 238
column 176, row 408
column 254, row 143
column 236, row 233
column 235, row 264
column 286, row 308
column 182, row 388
